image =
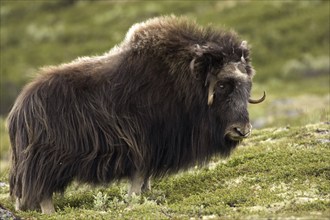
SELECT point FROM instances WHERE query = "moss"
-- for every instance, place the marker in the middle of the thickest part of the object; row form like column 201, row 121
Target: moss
column 278, row 171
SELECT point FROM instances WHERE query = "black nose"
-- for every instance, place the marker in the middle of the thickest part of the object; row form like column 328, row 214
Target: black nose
column 237, row 132
column 243, row 130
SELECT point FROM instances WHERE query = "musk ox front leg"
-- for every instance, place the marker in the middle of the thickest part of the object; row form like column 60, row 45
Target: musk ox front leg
column 47, row 206
column 146, row 185
column 139, row 183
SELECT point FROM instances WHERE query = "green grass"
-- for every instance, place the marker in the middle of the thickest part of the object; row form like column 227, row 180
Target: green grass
column 277, row 172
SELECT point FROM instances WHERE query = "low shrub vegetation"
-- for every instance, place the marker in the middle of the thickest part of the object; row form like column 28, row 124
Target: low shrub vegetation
column 277, row 172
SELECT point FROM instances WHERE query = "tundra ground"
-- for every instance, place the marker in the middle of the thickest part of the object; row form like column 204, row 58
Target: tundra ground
column 277, row 173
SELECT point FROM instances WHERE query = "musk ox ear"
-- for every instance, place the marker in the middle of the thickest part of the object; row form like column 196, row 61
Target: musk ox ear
column 193, row 66
column 199, row 50
column 199, row 57
column 207, row 48
column 199, row 66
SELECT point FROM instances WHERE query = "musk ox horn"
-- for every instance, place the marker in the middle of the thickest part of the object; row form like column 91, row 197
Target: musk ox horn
column 211, row 80
column 244, row 45
column 243, row 59
column 252, row 101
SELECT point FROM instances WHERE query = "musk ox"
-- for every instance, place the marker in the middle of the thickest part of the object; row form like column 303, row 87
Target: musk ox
column 170, row 96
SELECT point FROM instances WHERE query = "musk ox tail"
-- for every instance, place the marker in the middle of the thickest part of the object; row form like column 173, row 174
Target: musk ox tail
column 19, row 142
column 27, row 128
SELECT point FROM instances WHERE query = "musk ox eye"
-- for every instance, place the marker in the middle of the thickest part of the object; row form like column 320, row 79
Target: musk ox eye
column 224, row 87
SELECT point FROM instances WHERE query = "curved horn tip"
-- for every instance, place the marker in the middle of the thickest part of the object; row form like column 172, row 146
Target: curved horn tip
column 258, row 100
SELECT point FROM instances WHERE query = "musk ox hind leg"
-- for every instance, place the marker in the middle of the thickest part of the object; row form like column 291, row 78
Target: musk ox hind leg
column 139, row 183
column 19, row 206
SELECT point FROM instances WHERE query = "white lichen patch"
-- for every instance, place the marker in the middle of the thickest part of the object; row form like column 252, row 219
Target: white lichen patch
column 235, row 182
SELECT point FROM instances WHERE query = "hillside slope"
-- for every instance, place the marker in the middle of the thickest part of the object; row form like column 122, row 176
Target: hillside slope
column 278, row 172
column 282, row 33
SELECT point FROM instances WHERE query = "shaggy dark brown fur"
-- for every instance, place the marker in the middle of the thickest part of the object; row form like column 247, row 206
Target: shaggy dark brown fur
column 167, row 98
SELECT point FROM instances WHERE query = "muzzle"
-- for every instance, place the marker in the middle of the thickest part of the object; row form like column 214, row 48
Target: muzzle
column 238, row 132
